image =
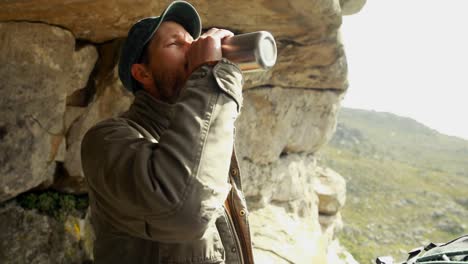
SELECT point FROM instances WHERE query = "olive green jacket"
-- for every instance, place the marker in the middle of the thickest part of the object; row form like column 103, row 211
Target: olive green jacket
column 163, row 178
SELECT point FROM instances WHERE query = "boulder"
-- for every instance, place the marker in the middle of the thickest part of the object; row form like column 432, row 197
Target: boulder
column 111, row 102
column 286, row 183
column 102, row 98
column 84, row 59
column 330, row 225
column 350, row 7
column 337, row 254
column 319, row 66
column 276, row 121
column 40, row 66
column 279, row 237
column 331, row 191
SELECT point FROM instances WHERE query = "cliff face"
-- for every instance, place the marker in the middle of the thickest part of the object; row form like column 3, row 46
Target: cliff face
column 58, row 78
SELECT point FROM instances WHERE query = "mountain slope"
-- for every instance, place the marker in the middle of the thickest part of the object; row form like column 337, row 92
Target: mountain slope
column 407, row 184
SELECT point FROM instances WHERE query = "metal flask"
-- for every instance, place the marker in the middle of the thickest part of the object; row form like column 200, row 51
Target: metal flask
column 254, row 51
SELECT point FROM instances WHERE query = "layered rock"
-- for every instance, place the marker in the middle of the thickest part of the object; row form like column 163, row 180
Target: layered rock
column 51, row 97
column 276, row 121
column 331, row 193
column 101, row 20
column 97, row 21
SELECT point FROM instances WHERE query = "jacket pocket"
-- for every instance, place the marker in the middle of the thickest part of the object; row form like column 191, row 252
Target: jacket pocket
column 208, row 249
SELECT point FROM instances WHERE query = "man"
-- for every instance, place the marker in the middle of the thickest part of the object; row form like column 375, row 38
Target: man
column 163, row 178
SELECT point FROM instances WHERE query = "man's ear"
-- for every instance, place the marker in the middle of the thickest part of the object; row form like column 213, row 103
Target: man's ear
column 142, row 74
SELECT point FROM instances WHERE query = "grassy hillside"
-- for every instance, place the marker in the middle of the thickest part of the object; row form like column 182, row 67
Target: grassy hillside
column 407, row 184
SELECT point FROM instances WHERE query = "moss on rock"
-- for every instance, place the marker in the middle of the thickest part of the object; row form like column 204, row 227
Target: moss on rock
column 55, row 204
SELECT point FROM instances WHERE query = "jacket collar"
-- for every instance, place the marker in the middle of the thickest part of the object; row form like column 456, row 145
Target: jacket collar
column 151, row 113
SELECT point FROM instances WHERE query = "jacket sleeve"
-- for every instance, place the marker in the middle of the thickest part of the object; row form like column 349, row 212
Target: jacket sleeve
column 170, row 190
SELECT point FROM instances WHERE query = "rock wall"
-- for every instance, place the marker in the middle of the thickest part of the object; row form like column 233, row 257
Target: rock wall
column 59, row 77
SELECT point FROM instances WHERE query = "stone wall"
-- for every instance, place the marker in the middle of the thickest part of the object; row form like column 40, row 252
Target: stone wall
column 59, row 77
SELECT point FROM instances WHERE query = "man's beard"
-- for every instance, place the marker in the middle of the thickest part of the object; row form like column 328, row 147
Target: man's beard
column 169, row 89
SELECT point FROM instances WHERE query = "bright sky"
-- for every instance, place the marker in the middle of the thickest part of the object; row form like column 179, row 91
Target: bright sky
column 410, row 57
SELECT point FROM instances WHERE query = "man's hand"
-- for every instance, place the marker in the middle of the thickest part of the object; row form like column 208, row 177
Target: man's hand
column 206, row 48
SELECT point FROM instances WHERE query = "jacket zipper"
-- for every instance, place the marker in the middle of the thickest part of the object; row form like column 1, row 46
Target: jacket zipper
column 234, row 233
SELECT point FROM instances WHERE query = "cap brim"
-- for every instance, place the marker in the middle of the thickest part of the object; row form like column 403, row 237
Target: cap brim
column 183, row 13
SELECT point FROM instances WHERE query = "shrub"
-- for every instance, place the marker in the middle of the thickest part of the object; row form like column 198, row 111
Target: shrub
column 55, row 204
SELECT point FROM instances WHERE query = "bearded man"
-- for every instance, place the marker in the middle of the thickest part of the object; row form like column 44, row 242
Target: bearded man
column 163, row 178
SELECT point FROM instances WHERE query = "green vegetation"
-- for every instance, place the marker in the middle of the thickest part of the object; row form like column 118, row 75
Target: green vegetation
column 55, row 204
column 406, row 183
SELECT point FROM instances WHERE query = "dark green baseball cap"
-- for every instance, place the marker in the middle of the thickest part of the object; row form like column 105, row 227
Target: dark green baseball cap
column 143, row 31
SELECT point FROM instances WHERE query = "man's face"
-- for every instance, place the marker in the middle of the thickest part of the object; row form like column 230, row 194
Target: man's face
column 168, row 61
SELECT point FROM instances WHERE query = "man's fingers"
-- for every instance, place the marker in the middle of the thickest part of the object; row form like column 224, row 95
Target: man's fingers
column 217, row 33
column 222, row 33
column 209, row 32
column 207, row 48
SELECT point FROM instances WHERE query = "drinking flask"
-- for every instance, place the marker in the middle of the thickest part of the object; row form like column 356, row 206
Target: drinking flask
column 255, row 51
